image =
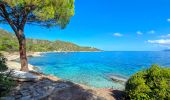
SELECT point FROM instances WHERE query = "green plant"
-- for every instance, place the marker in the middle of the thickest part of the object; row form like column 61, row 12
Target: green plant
column 3, row 63
column 6, row 83
column 150, row 84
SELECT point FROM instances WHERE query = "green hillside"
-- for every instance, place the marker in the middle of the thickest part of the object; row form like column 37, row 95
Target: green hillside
column 8, row 42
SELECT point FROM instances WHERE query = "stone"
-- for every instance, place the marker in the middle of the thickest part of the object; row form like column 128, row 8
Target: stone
column 7, row 98
column 26, row 98
column 18, row 96
column 25, row 92
column 23, row 76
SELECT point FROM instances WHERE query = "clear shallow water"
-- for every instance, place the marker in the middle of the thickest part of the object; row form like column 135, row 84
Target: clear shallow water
column 95, row 68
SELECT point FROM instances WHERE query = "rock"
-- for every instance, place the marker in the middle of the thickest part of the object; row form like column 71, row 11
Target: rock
column 18, row 96
column 25, row 92
column 118, row 79
column 23, row 76
column 7, row 98
column 26, row 98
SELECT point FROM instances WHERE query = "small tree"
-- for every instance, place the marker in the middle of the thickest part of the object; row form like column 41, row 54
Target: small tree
column 46, row 13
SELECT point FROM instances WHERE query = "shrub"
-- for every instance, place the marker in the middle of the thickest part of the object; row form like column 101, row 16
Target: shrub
column 6, row 83
column 2, row 63
column 150, row 84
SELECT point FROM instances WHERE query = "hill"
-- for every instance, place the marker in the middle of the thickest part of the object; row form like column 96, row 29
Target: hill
column 8, row 42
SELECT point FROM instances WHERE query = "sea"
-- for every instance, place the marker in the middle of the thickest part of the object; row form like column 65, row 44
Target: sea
column 97, row 69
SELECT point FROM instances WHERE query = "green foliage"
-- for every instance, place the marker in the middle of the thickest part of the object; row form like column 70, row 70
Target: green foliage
column 6, row 83
column 45, row 12
column 3, row 63
column 9, row 43
column 150, row 84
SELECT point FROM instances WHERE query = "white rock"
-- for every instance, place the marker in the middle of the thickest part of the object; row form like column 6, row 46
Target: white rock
column 24, row 76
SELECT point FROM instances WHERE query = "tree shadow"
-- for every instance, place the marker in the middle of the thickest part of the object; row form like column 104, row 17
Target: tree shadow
column 119, row 95
column 52, row 89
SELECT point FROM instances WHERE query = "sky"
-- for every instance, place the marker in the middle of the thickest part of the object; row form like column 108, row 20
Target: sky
column 113, row 25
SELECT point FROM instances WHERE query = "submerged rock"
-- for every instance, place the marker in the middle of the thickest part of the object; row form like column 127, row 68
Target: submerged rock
column 118, row 79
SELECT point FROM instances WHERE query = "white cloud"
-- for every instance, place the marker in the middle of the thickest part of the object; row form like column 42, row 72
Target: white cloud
column 139, row 33
column 118, row 34
column 162, row 42
column 151, row 32
column 166, row 36
column 168, row 19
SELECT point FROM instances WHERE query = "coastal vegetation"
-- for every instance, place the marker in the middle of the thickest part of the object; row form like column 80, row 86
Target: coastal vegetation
column 3, row 63
column 9, row 43
column 150, row 84
column 6, row 83
column 47, row 13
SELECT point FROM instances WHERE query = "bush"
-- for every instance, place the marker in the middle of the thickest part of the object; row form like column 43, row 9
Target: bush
column 150, row 84
column 2, row 63
column 6, row 83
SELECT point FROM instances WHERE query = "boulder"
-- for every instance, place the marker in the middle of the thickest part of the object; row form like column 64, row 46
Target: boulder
column 24, row 76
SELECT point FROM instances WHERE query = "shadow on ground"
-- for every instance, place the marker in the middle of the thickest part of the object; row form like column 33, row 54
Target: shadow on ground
column 46, row 89
column 119, row 95
column 52, row 88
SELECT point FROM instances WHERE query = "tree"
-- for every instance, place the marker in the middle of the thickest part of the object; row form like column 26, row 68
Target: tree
column 47, row 13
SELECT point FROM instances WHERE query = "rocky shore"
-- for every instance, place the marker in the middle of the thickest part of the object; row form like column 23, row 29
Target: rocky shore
column 53, row 88
column 37, row 86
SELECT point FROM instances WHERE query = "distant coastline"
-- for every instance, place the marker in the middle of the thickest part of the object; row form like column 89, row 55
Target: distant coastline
column 70, row 51
column 38, row 45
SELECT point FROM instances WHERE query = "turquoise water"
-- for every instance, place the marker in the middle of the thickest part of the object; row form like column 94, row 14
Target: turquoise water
column 95, row 68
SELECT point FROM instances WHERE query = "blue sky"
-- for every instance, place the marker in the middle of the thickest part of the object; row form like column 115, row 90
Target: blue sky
column 116, row 25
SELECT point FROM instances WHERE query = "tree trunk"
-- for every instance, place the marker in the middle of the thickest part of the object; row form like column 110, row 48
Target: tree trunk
column 22, row 51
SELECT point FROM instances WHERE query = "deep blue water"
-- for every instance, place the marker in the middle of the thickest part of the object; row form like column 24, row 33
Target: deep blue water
column 95, row 68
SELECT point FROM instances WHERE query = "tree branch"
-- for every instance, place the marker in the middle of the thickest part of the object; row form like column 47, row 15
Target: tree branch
column 24, row 18
column 6, row 17
column 26, row 12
